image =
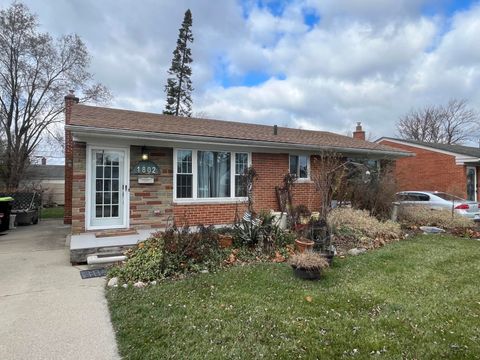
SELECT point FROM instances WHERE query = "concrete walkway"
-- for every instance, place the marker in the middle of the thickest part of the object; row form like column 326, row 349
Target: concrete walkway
column 46, row 310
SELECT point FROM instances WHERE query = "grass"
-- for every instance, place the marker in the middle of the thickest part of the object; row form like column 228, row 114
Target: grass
column 52, row 213
column 414, row 299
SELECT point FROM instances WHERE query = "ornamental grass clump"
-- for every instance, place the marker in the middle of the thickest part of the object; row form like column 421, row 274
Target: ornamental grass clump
column 415, row 216
column 353, row 228
column 308, row 260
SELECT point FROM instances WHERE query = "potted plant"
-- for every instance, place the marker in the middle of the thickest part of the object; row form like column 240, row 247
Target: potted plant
column 303, row 244
column 308, row 265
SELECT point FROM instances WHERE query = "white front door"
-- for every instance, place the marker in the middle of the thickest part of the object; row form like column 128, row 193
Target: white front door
column 108, row 190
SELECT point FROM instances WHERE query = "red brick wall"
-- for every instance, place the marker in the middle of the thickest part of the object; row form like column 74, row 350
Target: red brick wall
column 207, row 214
column 428, row 170
column 270, row 169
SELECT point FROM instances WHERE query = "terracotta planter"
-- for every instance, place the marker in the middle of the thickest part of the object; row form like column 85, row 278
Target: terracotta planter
column 225, row 241
column 302, row 245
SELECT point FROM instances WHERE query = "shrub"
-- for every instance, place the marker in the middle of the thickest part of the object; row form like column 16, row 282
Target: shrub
column 246, row 233
column 377, row 195
column 412, row 216
column 358, row 228
column 187, row 251
column 308, row 260
column 143, row 262
column 175, row 252
column 261, row 231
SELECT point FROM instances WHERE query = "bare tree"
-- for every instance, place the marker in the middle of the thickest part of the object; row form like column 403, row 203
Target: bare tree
column 36, row 71
column 329, row 169
column 459, row 122
column 453, row 123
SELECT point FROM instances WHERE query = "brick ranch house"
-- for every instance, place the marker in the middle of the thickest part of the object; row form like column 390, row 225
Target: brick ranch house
column 437, row 167
column 128, row 173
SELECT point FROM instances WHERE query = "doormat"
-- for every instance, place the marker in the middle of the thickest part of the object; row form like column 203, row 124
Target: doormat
column 88, row 274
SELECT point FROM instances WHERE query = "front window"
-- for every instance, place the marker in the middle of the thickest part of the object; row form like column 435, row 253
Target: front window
column 204, row 174
column 213, row 174
column 299, row 166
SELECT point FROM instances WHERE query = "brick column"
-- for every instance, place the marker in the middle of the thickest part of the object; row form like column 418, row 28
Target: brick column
column 70, row 100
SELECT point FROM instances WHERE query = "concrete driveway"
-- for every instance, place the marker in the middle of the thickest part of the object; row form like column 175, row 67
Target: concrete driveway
column 46, row 310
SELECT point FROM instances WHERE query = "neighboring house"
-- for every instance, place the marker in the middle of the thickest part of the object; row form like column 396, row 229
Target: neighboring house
column 49, row 179
column 192, row 173
column 437, row 167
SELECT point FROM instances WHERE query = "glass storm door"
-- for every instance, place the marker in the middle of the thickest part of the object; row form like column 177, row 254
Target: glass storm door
column 107, row 188
column 471, row 183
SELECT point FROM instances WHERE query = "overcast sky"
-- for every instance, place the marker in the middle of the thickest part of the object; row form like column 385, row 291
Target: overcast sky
column 314, row 64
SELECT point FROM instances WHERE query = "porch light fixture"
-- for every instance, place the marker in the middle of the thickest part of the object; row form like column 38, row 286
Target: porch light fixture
column 144, row 153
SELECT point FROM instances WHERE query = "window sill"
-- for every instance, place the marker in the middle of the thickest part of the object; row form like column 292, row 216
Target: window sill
column 212, row 201
column 304, row 181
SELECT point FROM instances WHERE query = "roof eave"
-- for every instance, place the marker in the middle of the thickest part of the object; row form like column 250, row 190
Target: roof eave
column 145, row 135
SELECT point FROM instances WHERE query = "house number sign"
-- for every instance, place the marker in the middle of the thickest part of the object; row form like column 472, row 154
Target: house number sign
column 146, row 167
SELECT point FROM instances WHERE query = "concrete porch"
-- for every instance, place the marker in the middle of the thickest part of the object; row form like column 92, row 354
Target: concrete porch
column 85, row 244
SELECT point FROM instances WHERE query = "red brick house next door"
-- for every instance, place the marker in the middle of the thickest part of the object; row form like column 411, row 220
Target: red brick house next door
column 437, row 167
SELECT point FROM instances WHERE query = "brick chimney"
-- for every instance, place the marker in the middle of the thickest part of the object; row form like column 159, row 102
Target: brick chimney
column 44, row 161
column 359, row 133
column 70, row 100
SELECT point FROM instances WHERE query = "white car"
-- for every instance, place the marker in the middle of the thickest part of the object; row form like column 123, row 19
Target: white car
column 440, row 200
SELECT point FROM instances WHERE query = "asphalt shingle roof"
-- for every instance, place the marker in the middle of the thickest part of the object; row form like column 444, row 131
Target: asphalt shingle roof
column 45, row 172
column 117, row 119
column 457, row 149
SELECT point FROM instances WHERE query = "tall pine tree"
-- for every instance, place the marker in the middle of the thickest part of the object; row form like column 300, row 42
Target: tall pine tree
column 179, row 86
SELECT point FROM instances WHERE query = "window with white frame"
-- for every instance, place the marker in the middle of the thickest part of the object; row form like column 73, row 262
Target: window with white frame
column 241, row 165
column 299, row 166
column 184, row 174
column 202, row 174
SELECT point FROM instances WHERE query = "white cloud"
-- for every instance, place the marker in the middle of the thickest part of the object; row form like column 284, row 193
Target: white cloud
column 368, row 61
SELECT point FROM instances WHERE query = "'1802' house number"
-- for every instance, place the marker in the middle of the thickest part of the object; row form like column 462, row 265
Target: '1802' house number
column 147, row 168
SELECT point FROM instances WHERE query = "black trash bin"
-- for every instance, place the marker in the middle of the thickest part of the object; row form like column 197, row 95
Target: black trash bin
column 5, row 210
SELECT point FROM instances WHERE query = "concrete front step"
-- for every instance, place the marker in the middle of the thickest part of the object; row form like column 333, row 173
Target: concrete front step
column 83, row 245
column 79, row 256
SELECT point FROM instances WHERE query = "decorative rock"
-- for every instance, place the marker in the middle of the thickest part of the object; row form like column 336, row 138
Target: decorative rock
column 431, row 230
column 125, row 286
column 139, row 285
column 113, row 282
column 356, row 251
column 154, row 282
column 205, row 271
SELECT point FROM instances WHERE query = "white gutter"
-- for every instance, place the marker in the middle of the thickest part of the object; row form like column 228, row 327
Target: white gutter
column 145, row 135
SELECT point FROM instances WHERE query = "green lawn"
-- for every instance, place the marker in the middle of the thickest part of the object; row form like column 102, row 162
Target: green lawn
column 52, row 213
column 415, row 299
